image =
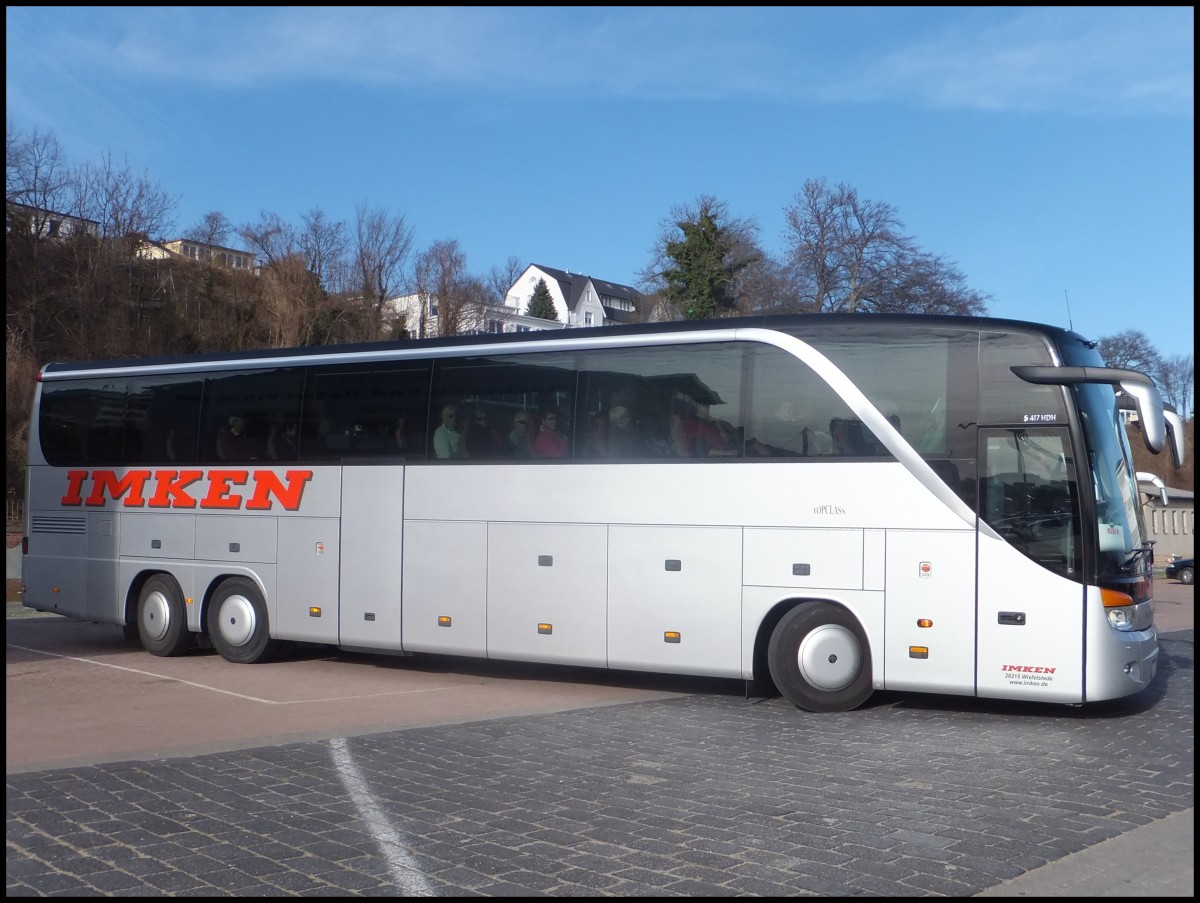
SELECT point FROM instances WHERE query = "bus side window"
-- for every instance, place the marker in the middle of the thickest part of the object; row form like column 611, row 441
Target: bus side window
column 181, row 444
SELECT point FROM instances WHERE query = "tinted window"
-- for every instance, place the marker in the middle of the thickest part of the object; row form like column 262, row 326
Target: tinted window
column 927, row 380
column 83, row 421
column 504, row 407
column 795, row 414
column 240, row 411
column 1006, row 398
column 352, row 411
column 666, row 402
column 162, row 419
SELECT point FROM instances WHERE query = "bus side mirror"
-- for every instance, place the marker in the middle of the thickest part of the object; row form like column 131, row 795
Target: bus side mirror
column 1175, row 435
column 1150, row 413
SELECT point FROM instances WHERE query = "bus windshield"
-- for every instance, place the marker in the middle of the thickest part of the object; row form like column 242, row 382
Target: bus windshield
column 1118, row 513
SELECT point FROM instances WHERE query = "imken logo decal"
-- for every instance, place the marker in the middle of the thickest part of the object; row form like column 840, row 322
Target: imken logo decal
column 179, row 489
column 1028, row 675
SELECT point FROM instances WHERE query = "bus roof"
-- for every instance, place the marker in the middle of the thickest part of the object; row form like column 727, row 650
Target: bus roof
column 798, row 324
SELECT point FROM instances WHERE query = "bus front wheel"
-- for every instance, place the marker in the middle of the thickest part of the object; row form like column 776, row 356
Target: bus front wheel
column 162, row 617
column 820, row 659
column 238, row 625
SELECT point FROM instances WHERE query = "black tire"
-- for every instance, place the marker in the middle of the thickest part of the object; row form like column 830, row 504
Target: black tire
column 1187, row 575
column 162, row 617
column 820, row 659
column 238, row 624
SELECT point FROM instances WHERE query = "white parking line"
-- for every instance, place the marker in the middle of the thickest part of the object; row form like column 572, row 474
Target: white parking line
column 199, row 686
column 391, row 842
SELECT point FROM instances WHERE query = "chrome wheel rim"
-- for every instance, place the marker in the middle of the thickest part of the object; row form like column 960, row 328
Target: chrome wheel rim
column 156, row 615
column 236, row 620
column 830, row 657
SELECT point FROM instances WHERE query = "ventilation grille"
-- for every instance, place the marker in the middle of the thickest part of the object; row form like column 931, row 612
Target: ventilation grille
column 43, row 523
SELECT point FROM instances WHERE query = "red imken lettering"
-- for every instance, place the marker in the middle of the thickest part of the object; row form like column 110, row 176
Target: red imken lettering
column 257, row 490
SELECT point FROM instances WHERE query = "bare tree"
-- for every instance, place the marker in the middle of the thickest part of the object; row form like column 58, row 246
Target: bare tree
column 1177, row 380
column 437, row 272
column 463, row 301
column 502, row 278
column 384, row 243
column 292, row 301
column 926, row 284
column 848, row 255
column 213, row 229
column 39, row 178
column 766, row 289
column 126, row 205
column 1130, row 350
column 325, row 245
column 840, row 247
column 300, row 272
column 77, row 292
column 497, row 284
column 479, row 313
column 270, row 238
column 20, row 365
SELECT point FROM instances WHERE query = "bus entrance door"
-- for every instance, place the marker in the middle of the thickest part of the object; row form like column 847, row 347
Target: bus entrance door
column 1030, row 632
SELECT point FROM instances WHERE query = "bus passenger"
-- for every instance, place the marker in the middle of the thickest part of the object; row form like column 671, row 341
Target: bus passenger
column 520, row 437
column 596, row 445
column 447, row 439
column 698, row 434
column 481, row 441
column 282, row 444
column 234, row 444
column 623, row 440
column 550, row 441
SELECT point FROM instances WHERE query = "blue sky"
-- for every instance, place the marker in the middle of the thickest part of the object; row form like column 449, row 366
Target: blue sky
column 1047, row 152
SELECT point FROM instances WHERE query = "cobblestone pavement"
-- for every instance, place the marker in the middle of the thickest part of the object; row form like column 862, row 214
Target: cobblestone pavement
column 700, row 795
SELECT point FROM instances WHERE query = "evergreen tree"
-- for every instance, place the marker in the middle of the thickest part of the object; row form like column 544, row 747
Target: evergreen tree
column 703, row 267
column 541, row 305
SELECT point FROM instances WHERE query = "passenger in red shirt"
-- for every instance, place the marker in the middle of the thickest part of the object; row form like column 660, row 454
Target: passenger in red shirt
column 550, row 441
column 699, row 435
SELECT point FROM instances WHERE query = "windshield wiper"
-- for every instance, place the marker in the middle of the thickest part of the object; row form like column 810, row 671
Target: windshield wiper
column 1146, row 551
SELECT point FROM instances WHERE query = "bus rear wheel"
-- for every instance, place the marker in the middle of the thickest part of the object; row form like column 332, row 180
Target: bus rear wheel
column 238, row 625
column 820, row 659
column 162, row 617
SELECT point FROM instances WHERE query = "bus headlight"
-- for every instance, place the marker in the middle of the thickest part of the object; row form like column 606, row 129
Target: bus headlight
column 1119, row 608
column 1120, row 618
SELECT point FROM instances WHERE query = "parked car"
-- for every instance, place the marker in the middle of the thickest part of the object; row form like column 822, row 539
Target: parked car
column 1182, row 569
